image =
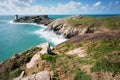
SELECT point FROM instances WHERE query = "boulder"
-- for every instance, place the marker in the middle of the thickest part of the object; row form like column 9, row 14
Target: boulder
column 43, row 75
column 45, row 48
column 33, row 61
column 80, row 52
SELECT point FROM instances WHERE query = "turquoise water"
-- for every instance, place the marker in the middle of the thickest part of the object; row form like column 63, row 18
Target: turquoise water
column 15, row 38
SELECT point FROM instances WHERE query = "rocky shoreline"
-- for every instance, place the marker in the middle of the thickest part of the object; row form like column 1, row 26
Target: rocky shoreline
column 91, row 41
column 42, row 19
column 73, row 25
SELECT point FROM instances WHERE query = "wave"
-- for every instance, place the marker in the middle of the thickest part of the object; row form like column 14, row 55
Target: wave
column 50, row 36
column 46, row 34
column 41, row 25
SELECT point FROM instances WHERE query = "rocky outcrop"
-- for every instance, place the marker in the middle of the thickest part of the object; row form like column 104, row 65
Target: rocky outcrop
column 42, row 19
column 43, row 75
column 95, row 36
column 45, row 48
column 78, row 51
column 61, row 26
column 33, row 61
column 108, row 35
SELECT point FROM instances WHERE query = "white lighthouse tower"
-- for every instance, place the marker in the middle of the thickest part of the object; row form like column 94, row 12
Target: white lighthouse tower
column 16, row 17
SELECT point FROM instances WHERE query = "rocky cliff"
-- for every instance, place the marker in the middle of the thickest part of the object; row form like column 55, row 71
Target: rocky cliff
column 42, row 19
column 74, row 25
column 94, row 56
column 78, row 25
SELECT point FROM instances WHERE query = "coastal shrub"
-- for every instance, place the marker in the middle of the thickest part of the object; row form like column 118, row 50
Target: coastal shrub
column 80, row 75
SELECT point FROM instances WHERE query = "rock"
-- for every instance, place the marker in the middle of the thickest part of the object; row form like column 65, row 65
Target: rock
column 33, row 61
column 42, row 19
column 61, row 26
column 43, row 75
column 78, row 51
column 45, row 48
column 22, row 74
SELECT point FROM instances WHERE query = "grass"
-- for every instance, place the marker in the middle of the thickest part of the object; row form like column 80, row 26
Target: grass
column 84, row 20
column 11, row 75
column 106, row 55
column 103, row 55
column 111, row 62
column 80, row 75
column 100, row 48
column 50, row 58
column 67, row 65
column 64, row 48
column 106, row 22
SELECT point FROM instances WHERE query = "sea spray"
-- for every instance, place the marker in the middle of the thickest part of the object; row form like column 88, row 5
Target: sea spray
column 49, row 35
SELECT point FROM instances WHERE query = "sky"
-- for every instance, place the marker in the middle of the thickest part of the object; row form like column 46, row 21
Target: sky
column 33, row 7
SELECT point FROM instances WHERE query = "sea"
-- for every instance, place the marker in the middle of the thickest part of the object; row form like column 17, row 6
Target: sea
column 18, row 37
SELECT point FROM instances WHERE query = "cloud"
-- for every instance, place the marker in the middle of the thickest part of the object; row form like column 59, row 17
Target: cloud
column 24, row 7
column 29, row 1
column 97, row 4
column 71, row 7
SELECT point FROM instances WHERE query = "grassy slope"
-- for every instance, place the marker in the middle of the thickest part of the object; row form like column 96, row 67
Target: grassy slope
column 107, row 22
column 103, row 55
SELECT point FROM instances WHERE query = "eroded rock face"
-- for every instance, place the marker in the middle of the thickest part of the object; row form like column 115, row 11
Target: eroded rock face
column 43, row 75
column 45, row 49
column 33, row 61
column 61, row 26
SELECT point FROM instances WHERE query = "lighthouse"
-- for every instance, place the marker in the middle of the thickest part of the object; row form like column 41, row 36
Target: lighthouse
column 16, row 17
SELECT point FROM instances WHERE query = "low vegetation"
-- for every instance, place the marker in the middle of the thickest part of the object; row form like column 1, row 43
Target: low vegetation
column 79, row 75
column 103, row 55
column 111, row 23
column 13, row 67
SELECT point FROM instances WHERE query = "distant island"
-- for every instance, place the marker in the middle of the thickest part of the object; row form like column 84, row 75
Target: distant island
column 92, row 51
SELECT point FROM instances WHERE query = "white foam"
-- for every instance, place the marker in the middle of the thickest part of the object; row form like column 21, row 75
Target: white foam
column 50, row 36
column 11, row 22
column 47, row 34
column 41, row 25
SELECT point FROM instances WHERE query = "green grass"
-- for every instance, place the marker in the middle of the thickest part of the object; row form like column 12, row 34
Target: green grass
column 101, row 56
column 13, row 74
column 100, row 48
column 84, row 20
column 50, row 58
column 106, row 55
column 80, row 75
column 111, row 62
column 64, row 48
column 104, row 22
